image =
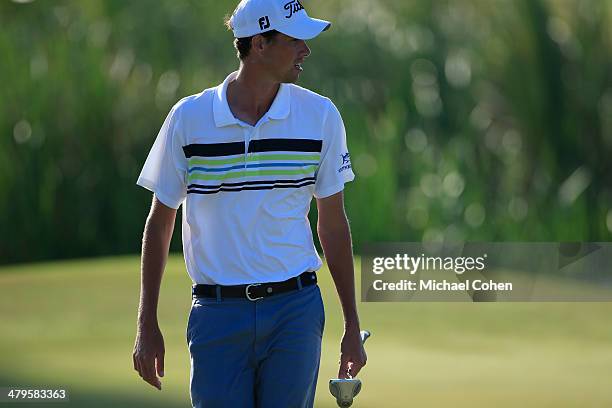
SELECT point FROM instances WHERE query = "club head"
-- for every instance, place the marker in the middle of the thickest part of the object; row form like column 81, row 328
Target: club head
column 344, row 389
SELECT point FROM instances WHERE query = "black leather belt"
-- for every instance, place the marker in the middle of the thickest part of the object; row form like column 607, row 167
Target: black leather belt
column 253, row 291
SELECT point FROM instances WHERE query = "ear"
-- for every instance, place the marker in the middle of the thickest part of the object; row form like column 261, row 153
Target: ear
column 258, row 44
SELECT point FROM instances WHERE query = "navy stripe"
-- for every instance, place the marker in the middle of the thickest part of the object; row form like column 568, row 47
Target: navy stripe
column 235, row 189
column 255, row 146
column 213, row 149
column 285, row 145
column 248, row 183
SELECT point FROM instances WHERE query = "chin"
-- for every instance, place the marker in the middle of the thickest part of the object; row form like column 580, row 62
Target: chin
column 291, row 79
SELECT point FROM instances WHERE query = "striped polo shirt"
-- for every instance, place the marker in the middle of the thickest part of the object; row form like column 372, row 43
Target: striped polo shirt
column 246, row 190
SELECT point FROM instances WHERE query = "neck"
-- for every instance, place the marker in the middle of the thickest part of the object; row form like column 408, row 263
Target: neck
column 252, row 92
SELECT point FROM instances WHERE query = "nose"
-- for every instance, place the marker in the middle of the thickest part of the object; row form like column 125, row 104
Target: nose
column 304, row 51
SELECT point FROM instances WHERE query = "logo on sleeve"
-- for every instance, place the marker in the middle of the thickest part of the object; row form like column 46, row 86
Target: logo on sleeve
column 293, row 7
column 346, row 162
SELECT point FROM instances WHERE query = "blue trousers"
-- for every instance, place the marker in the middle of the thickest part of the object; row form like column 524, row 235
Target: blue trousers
column 262, row 354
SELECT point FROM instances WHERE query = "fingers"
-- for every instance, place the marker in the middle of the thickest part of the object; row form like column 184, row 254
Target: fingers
column 145, row 365
column 355, row 368
column 148, row 372
column 350, row 366
column 358, row 364
column 343, row 371
column 149, row 354
column 159, row 363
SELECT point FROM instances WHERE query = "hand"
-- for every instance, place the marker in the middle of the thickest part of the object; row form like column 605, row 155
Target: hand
column 148, row 354
column 352, row 354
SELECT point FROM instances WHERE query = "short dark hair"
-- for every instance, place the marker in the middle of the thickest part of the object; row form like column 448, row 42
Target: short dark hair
column 243, row 45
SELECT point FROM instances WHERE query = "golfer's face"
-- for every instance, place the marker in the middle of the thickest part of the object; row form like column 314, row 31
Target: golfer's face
column 284, row 57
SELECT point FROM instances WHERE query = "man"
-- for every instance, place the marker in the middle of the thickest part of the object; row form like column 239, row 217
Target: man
column 245, row 159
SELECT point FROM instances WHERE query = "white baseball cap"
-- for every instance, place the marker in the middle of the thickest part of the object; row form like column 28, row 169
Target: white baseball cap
column 289, row 17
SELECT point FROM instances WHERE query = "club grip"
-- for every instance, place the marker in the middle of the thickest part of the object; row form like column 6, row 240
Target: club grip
column 364, row 336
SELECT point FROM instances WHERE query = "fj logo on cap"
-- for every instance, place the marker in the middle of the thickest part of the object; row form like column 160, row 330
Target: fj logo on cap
column 264, row 22
column 293, row 7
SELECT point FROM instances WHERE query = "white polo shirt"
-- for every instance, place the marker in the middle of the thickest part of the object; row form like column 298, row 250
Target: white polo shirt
column 246, row 190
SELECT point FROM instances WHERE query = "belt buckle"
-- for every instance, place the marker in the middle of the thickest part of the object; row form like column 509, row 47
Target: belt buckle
column 248, row 295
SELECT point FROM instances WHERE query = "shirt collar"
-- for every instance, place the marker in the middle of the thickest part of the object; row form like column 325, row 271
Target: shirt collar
column 223, row 115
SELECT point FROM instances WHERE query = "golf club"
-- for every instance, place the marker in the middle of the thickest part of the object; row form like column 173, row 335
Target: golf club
column 345, row 389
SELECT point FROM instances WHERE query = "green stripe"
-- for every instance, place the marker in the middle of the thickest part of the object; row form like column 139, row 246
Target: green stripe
column 254, row 157
column 247, row 173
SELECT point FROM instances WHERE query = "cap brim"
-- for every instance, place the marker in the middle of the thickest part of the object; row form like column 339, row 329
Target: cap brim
column 307, row 28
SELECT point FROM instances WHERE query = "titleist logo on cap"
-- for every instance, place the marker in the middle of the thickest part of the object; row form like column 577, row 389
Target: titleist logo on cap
column 293, row 7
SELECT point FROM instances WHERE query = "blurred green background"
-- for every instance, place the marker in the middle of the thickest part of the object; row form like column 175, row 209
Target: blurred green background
column 471, row 119
column 480, row 119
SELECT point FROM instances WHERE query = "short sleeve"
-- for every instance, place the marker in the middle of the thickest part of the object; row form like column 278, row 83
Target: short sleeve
column 335, row 166
column 165, row 170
